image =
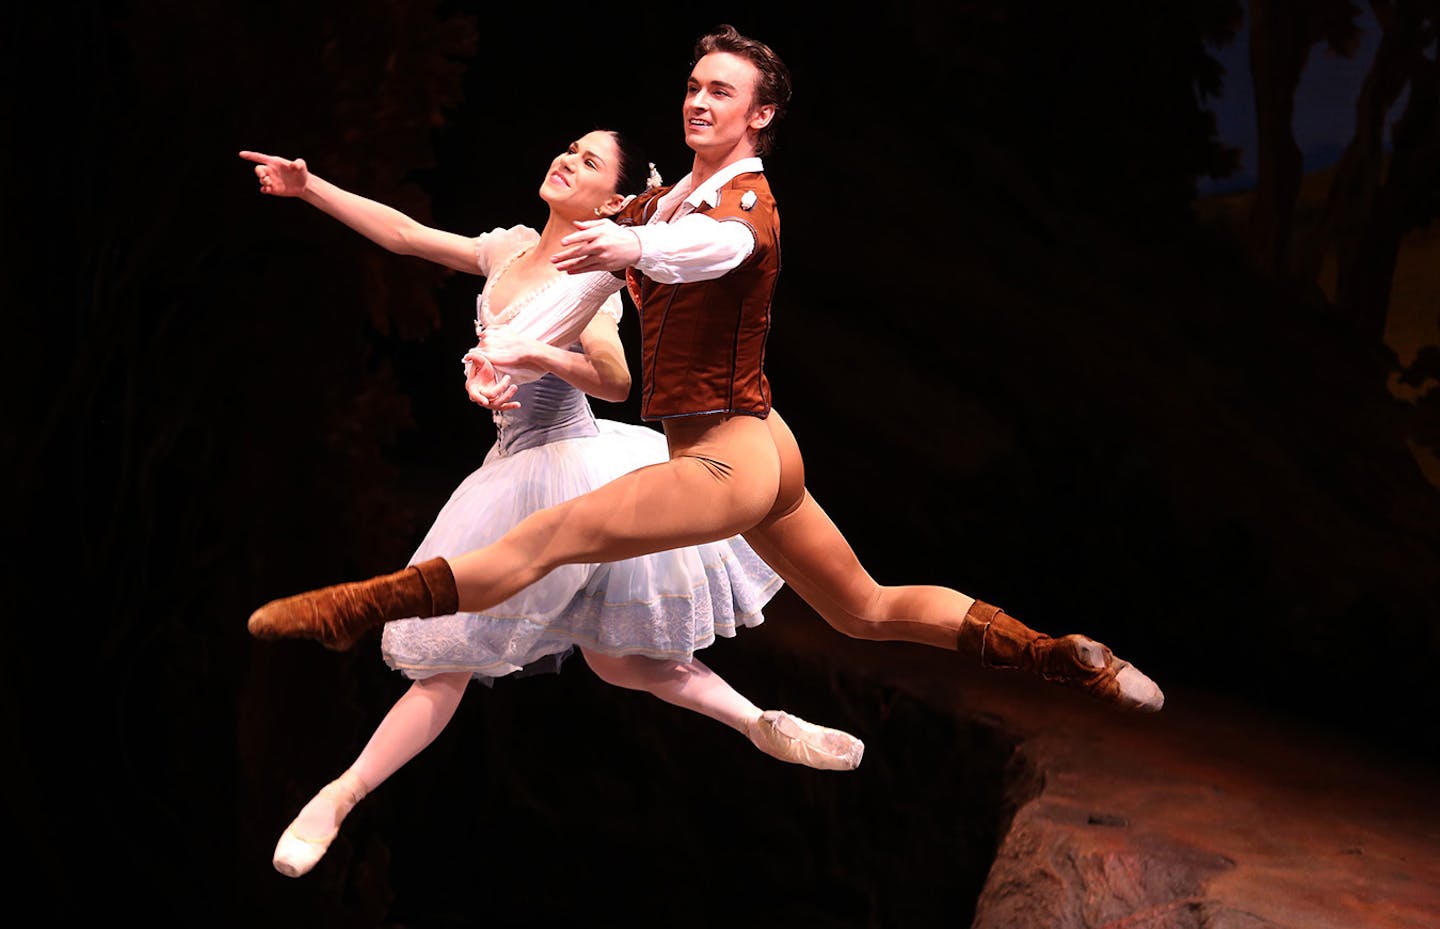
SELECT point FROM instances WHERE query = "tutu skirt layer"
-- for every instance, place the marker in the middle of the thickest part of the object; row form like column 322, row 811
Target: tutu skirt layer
column 665, row 605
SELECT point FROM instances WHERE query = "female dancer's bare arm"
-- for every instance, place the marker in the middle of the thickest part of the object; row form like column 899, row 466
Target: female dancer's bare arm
column 385, row 226
column 599, row 369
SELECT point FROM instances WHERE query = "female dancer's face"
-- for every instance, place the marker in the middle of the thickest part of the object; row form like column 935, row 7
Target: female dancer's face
column 583, row 179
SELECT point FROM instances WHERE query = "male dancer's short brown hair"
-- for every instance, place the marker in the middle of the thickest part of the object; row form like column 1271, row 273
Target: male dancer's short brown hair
column 772, row 87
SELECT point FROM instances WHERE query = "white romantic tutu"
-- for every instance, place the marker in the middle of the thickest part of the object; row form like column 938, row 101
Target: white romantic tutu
column 665, row 605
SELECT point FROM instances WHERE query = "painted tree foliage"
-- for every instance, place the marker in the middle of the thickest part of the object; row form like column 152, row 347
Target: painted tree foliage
column 1387, row 182
column 196, row 360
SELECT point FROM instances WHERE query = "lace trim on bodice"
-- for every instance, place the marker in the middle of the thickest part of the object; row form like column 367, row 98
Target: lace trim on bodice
column 483, row 315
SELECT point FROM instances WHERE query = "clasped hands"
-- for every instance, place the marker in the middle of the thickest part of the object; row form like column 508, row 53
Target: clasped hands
column 485, row 387
column 498, row 349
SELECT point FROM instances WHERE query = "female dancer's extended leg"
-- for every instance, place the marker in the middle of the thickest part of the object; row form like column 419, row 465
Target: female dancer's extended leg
column 412, row 724
column 693, row 686
column 427, row 707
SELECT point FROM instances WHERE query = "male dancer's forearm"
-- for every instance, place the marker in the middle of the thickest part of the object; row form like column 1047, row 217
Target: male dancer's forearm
column 693, row 248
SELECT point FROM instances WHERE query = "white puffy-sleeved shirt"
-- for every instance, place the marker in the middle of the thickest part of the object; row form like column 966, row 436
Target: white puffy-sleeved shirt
column 679, row 245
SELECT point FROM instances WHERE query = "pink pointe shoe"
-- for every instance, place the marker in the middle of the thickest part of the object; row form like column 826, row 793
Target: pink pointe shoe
column 306, row 840
column 792, row 739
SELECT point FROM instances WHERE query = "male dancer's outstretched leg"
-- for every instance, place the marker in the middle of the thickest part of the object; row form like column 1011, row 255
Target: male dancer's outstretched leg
column 743, row 474
column 813, row 558
column 799, row 541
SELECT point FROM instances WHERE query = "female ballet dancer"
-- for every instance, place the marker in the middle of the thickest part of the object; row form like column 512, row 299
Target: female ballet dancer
column 734, row 466
column 637, row 622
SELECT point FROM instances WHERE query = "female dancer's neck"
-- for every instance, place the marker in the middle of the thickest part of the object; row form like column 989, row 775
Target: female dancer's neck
column 556, row 228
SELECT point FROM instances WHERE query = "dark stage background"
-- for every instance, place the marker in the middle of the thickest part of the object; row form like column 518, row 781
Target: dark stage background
column 1021, row 358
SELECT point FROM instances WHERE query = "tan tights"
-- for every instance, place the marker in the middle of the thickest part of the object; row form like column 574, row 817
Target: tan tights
column 726, row 475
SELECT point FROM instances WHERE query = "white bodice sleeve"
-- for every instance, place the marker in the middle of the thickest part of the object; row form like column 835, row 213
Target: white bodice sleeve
column 613, row 307
column 493, row 247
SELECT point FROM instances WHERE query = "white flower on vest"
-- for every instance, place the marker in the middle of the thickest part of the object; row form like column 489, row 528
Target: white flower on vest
column 747, row 202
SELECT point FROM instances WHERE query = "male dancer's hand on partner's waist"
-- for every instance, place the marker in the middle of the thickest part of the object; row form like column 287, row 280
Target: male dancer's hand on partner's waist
column 597, row 245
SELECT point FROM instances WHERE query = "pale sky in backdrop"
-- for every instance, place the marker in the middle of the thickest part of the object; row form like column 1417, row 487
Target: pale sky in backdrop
column 1324, row 103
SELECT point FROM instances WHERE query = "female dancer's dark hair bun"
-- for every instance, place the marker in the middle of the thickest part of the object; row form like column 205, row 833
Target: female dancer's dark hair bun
column 634, row 169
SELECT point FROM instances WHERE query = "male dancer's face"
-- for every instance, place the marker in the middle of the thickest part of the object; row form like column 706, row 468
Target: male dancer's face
column 720, row 112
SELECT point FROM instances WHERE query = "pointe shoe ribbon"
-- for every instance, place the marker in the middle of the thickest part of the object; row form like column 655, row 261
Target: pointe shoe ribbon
column 792, row 739
column 1003, row 642
column 298, row 852
column 339, row 616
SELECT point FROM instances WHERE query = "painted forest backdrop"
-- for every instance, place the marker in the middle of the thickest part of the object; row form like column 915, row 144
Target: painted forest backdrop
column 1022, row 357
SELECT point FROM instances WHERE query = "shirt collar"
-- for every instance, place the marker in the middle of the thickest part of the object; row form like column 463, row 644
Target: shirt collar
column 709, row 192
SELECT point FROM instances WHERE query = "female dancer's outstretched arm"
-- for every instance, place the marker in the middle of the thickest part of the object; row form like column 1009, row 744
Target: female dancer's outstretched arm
column 385, row 226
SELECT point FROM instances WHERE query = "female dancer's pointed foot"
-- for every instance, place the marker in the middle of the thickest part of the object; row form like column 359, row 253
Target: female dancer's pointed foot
column 1001, row 641
column 339, row 616
column 306, row 840
column 792, row 739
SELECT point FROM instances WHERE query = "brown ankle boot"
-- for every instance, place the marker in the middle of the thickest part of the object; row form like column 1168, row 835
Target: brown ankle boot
column 338, row 617
column 1001, row 641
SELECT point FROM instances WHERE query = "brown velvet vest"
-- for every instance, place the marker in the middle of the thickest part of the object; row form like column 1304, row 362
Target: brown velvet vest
column 703, row 343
